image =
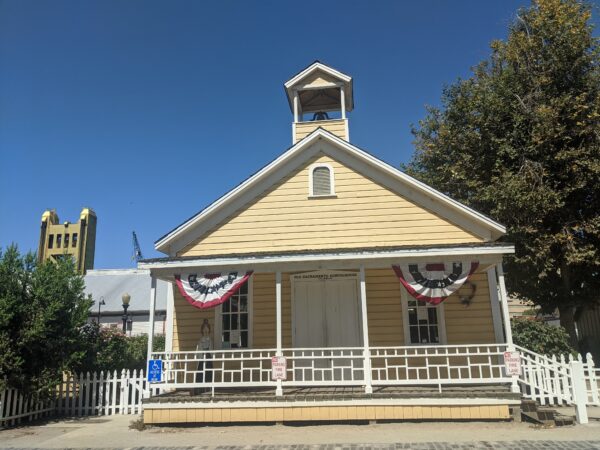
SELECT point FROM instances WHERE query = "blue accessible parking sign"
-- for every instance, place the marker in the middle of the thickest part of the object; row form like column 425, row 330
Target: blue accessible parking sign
column 155, row 371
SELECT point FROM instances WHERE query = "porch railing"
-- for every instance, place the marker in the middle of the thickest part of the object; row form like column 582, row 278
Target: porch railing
column 438, row 365
column 415, row 365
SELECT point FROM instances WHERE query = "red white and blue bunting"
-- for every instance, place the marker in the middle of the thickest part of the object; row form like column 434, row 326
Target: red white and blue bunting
column 434, row 282
column 211, row 289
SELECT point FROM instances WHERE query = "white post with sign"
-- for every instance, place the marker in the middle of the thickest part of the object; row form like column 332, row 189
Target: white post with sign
column 278, row 368
column 512, row 363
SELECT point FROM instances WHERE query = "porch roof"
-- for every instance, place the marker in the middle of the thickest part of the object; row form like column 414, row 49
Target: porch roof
column 486, row 252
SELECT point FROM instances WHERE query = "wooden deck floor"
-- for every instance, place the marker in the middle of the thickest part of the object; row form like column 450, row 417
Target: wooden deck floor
column 334, row 393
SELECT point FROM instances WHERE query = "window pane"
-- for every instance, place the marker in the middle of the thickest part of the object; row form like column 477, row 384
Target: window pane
column 424, row 334
column 74, row 240
column 414, row 335
column 432, row 315
column 234, row 321
column 58, row 240
column 412, row 316
column 244, row 289
column 50, row 241
column 226, row 340
column 233, row 304
column 225, row 306
column 226, row 326
column 244, row 336
column 244, row 322
column 433, row 330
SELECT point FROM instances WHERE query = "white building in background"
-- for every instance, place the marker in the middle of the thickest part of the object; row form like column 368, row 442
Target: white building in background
column 109, row 286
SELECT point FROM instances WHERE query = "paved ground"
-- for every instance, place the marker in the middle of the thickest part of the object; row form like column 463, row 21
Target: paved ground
column 114, row 432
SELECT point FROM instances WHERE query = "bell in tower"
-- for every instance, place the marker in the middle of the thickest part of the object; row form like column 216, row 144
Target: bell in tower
column 320, row 97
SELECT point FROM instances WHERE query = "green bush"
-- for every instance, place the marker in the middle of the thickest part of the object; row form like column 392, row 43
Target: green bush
column 540, row 337
column 108, row 349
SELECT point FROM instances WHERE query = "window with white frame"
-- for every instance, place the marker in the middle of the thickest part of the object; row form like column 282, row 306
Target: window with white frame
column 423, row 322
column 321, row 181
column 235, row 320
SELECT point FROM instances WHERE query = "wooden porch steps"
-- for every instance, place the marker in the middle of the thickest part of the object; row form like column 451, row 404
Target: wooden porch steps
column 532, row 412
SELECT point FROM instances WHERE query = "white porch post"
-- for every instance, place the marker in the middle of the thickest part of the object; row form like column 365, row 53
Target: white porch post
column 365, row 331
column 343, row 101
column 495, row 304
column 151, row 325
column 279, row 350
column 506, row 317
column 169, row 318
column 504, row 301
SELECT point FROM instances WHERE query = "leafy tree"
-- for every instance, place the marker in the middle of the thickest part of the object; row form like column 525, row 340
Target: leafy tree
column 520, row 141
column 42, row 311
column 540, row 337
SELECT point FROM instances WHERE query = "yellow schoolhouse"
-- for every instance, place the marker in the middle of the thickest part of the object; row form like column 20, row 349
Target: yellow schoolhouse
column 332, row 286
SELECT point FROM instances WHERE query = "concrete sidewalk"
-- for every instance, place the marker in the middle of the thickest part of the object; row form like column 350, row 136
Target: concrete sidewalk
column 114, row 432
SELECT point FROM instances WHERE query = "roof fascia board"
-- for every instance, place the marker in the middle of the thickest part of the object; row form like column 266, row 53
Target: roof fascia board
column 314, row 67
column 353, row 257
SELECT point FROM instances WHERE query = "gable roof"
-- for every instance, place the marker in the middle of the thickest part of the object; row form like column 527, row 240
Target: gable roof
column 449, row 208
column 317, row 66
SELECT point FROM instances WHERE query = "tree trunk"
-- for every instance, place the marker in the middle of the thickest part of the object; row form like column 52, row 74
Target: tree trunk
column 567, row 321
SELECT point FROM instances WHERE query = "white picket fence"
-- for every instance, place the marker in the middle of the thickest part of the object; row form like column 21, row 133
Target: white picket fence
column 551, row 380
column 90, row 394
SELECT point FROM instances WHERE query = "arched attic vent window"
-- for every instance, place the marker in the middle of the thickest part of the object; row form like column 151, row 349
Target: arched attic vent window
column 321, row 181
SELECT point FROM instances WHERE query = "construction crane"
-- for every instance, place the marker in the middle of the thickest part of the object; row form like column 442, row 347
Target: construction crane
column 137, row 251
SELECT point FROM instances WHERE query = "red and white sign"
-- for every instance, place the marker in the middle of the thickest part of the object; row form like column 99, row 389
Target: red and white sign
column 278, row 368
column 512, row 363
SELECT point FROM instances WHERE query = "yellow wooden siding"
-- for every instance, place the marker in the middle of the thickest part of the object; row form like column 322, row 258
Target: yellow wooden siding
column 335, row 126
column 464, row 325
column 363, row 214
column 384, row 308
column 472, row 324
column 187, row 321
column 304, row 413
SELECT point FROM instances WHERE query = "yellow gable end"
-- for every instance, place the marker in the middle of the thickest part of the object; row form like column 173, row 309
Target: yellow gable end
column 362, row 214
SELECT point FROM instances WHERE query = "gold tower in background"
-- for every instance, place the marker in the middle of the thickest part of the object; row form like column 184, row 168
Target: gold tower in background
column 75, row 239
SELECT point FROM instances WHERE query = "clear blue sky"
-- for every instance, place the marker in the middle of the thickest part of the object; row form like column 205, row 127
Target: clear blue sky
column 147, row 111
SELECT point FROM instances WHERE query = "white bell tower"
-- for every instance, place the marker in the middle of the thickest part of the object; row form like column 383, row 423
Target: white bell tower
column 320, row 97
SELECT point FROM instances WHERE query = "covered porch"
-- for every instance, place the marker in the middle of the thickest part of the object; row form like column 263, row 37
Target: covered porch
column 373, row 338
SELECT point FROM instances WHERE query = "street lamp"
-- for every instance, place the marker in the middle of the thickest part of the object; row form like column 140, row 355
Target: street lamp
column 126, row 299
column 101, row 303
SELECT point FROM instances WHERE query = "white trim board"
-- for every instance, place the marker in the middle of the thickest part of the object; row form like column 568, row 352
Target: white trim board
column 323, row 141
column 314, row 67
column 380, row 258
column 424, row 401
